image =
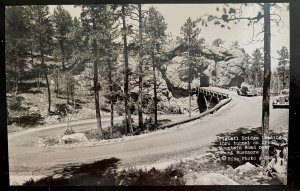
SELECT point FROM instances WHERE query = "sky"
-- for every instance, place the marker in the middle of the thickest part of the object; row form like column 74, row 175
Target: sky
column 176, row 14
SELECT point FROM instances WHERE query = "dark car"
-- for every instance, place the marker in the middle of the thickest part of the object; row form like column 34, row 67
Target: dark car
column 242, row 91
column 245, row 91
column 282, row 100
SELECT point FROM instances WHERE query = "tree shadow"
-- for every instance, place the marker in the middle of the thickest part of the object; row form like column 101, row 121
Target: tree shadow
column 28, row 87
column 103, row 172
column 106, row 173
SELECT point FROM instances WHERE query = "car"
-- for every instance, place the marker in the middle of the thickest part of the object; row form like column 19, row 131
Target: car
column 252, row 92
column 245, row 91
column 233, row 88
column 282, row 101
column 242, row 91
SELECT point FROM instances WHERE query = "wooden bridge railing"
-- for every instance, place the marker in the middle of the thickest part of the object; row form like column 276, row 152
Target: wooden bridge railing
column 213, row 93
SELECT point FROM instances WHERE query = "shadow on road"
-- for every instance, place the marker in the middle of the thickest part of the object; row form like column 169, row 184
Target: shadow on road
column 105, row 172
column 98, row 173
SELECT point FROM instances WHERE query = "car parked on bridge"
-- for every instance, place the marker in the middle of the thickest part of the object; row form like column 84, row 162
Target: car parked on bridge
column 282, row 100
column 245, row 91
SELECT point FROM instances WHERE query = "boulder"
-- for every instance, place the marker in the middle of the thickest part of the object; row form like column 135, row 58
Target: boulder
column 208, row 179
column 245, row 167
column 74, row 138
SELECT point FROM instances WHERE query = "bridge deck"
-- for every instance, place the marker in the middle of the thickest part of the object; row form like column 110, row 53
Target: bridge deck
column 215, row 91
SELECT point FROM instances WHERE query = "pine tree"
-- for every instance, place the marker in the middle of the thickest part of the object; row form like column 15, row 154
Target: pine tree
column 247, row 72
column 62, row 21
column 16, row 31
column 190, row 34
column 257, row 68
column 283, row 67
column 218, row 42
column 141, row 72
column 42, row 31
column 94, row 20
column 124, row 12
column 155, row 30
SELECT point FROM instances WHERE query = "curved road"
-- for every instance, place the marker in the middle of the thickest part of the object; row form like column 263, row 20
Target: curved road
column 188, row 140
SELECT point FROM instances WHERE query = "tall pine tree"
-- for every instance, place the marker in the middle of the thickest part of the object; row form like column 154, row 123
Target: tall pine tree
column 155, row 30
column 42, row 31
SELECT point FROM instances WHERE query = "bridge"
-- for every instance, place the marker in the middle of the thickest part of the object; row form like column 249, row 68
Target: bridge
column 212, row 93
column 207, row 97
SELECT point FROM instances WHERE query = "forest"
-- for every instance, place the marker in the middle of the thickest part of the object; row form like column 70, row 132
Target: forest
column 116, row 60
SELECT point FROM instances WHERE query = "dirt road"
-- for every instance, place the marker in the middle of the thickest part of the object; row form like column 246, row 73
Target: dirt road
column 188, row 140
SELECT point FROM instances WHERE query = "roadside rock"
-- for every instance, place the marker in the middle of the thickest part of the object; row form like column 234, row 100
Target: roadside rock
column 245, row 167
column 56, row 176
column 208, row 179
column 74, row 138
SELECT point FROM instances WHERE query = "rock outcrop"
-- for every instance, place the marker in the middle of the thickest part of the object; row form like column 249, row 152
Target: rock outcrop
column 226, row 64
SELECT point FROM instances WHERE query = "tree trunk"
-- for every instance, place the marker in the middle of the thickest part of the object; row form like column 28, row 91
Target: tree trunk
column 47, row 82
column 189, row 77
column 57, row 84
column 38, row 80
column 97, row 104
column 255, row 80
column 154, row 89
column 140, row 103
column 31, row 54
column 278, row 89
column 283, row 77
column 190, row 90
column 62, row 55
column 46, row 72
column 266, row 87
column 111, row 98
column 68, row 89
column 73, row 95
column 126, row 70
column 216, row 70
column 16, row 84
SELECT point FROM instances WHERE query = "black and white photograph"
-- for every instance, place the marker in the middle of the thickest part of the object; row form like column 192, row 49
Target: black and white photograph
column 147, row 94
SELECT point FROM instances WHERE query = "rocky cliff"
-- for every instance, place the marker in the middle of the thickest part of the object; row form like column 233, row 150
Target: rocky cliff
column 223, row 68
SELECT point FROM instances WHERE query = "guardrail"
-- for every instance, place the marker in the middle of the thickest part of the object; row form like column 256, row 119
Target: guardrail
column 218, row 106
column 213, row 93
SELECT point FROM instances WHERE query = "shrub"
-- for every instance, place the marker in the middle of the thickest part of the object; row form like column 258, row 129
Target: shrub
column 15, row 104
column 153, row 177
column 119, row 107
column 149, row 123
column 69, row 131
column 50, row 141
column 104, row 107
column 92, row 134
column 28, row 120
